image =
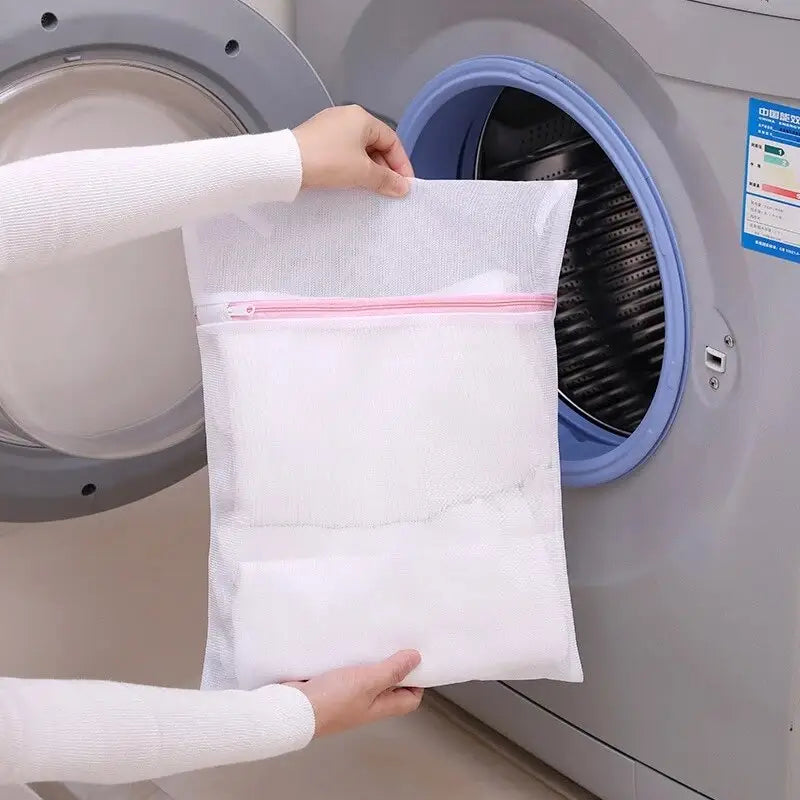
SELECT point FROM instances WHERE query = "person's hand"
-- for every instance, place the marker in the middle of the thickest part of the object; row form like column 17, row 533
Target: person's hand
column 346, row 147
column 351, row 697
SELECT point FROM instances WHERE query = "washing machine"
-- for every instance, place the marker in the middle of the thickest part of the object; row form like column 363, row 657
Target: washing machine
column 678, row 378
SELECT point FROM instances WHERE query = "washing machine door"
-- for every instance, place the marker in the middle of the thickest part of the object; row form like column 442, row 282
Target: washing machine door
column 100, row 385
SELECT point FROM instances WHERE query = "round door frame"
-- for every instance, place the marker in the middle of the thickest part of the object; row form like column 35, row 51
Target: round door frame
column 264, row 80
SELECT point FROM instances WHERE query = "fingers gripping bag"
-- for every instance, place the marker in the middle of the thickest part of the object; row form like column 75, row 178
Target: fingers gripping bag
column 380, row 388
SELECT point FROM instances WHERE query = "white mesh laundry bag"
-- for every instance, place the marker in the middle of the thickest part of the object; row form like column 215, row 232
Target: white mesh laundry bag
column 380, row 388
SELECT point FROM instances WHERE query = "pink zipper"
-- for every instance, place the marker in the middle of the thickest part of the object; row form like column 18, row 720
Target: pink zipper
column 384, row 306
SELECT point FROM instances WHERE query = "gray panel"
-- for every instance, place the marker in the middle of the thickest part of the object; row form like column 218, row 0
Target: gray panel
column 776, row 8
column 268, row 84
column 652, row 786
column 680, row 38
column 694, row 41
column 39, row 485
column 322, row 29
column 584, row 760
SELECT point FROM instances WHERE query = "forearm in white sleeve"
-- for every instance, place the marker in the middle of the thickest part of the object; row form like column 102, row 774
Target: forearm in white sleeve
column 65, row 205
column 103, row 732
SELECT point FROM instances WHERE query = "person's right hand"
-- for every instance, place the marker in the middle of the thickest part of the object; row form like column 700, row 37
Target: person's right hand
column 346, row 147
column 354, row 696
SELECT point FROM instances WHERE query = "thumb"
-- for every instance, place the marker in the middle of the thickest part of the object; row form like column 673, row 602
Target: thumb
column 396, row 702
column 383, row 180
column 389, row 673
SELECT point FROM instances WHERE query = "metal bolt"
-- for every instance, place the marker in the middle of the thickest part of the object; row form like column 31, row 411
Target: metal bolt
column 713, row 382
column 729, row 341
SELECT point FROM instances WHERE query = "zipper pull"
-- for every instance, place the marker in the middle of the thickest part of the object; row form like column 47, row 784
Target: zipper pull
column 240, row 311
column 218, row 312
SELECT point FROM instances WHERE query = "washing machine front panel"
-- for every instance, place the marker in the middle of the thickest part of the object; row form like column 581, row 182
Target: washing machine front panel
column 100, row 396
column 684, row 573
column 687, row 39
column 777, row 8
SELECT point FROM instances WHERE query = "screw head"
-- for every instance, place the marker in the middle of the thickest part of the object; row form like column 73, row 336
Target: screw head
column 713, row 382
column 729, row 341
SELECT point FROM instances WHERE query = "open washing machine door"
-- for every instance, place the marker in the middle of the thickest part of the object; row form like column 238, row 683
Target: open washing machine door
column 100, row 386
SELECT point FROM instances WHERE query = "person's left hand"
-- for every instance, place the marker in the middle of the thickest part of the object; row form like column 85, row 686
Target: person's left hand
column 346, row 147
column 354, row 696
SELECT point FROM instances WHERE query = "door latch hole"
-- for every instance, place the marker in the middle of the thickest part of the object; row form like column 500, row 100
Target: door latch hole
column 715, row 360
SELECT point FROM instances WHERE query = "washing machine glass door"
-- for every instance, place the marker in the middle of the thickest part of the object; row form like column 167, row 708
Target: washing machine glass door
column 98, row 356
column 100, row 383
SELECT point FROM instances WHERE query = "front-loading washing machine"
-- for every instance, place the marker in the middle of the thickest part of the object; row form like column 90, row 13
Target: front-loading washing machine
column 677, row 376
column 675, row 328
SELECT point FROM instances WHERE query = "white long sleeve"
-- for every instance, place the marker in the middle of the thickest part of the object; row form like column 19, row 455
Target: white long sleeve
column 103, row 732
column 65, row 205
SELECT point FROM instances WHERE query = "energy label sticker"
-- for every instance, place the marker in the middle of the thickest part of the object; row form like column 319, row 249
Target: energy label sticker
column 771, row 214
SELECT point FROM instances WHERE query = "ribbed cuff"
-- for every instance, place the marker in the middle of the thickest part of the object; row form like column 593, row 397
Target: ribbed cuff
column 285, row 164
column 294, row 710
